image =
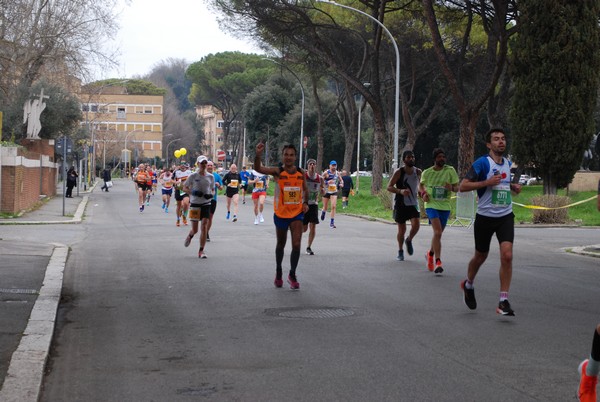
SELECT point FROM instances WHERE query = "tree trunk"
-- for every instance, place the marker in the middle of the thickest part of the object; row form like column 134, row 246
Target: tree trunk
column 319, row 107
column 466, row 141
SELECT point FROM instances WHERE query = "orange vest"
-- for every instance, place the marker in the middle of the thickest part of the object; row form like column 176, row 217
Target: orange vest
column 289, row 193
column 141, row 177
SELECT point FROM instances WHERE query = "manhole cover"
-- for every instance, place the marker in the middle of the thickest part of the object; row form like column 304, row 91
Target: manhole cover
column 315, row 312
column 20, row 291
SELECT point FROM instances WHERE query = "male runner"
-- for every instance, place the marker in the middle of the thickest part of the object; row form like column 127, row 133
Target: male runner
column 232, row 181
column 314, row 183
column 333, row 182
column 166, row 180
column 213, row 205
column 181, row 197
column 244, row 176
column 201, row 186
column 259, row 194
column 290, row 204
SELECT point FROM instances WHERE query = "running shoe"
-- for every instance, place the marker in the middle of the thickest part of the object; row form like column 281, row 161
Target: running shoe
column 438, row 267
column 587, row 384
column 164, row 205
column 429, row 259
column 184, row 219
column 332, row 225
column 188, row 240
column 468, row 296
column 409, row 246
column 142, row 208
column 261, row 219
column 278, row 282
column 294, row 284
column 147, row 203
column 207, row 237
column 166, row 210
column 309, row 251
column 234, row 218
column 256, row 220
column 322, row 215
column 243, row 201
column 202, row 254
column 227, row 217
column 504, row 308
column 177, row 224
column 400, row 255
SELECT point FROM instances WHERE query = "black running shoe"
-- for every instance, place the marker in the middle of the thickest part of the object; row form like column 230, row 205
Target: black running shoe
column 409, row 246
column 309, row 251
column 469, row 296
column 504, row 309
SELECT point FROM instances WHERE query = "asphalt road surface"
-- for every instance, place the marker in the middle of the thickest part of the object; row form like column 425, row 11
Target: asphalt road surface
column 143, row 319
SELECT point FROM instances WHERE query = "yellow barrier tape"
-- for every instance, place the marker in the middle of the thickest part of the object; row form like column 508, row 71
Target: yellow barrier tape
column 548, row 208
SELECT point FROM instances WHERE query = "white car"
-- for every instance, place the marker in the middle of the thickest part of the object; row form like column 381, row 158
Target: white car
column 362, row 173
column 523, row 179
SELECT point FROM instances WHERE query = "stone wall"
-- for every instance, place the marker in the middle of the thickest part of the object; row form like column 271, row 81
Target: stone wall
column 28, row 173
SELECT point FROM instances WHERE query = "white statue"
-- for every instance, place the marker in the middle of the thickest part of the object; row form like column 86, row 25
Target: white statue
column 32, row 110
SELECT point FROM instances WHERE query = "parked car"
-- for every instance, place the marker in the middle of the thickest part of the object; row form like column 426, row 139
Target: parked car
column 362, row 173
column 523, row 179
column 534, row 180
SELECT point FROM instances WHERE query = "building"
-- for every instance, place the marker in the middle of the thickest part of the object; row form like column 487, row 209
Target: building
column 122, row 126
column 213, row 132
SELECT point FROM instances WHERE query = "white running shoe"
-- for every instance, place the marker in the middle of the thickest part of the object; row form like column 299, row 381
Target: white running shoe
column 260, row 218
column 256, row 220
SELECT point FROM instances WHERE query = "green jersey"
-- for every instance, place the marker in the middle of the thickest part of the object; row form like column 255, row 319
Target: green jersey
column 435, row 184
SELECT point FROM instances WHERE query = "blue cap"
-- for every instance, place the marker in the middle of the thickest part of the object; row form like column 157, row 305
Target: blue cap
column 333, row 163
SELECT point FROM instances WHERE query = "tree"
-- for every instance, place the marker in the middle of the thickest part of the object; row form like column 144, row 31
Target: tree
column 556, row 80
column 223, row 80
column 458, row 66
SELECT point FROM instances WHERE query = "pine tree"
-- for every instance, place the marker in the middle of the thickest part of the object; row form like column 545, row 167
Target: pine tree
column 555, row 71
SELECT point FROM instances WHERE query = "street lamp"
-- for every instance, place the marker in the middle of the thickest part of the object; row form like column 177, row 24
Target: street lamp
column 397, row 100
column 361, row 104
column 172, row 141
column 128, row 162
column 300, row 160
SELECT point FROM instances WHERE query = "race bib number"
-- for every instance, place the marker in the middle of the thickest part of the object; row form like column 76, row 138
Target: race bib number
column 194, row 214
column 233, row 183
column 331, row 187
column 292, row 195
column 259, row 185
column 501, row 195
column 440, row 193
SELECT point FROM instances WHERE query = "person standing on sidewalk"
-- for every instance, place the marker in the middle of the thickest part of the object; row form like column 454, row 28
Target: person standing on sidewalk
column 315, row 185
column 106, row 176
column 333, row 182
column 290, row 205
column 437, row 182
column 201, row 186
column 71, row 181
column 490, row 176
column 405, row 184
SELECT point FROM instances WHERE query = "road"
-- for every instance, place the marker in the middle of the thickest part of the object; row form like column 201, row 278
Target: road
column 143, row 319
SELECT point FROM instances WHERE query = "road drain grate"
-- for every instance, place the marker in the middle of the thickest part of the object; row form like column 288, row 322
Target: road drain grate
column 19, row 291
column 318, row 312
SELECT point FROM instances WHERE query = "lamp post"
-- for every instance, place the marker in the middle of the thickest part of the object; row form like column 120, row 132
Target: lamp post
column 172, row 141
column 300, row 160
column 397, row 99
column 127, row 150
column 361, row 104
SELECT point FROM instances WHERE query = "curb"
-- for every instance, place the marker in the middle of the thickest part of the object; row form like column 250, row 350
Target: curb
column 26, row 368
column 77, row 218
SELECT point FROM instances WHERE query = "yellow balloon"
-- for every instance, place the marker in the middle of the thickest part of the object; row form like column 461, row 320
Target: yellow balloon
column 177, row 153
column 183, row 151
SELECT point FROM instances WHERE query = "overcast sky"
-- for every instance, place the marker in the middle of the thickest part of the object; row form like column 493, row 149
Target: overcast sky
column 155, row 30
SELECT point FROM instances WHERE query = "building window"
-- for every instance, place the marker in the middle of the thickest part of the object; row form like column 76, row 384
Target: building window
column 220, row 124
column 121, row 113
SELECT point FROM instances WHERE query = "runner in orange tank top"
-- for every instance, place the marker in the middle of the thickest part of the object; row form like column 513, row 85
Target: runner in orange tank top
column 291, row 203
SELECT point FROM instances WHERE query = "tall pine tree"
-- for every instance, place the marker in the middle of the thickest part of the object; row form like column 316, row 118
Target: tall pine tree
column 556, row 76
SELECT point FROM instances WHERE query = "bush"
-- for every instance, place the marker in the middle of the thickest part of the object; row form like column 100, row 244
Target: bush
column 550, row 215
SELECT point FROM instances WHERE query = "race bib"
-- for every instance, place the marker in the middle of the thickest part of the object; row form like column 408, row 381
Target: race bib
column 331, row 187
column 292, row 195
column 233, row 183
column 440, row 193
column 194, row 213
column 259, row 185
column 501, row 195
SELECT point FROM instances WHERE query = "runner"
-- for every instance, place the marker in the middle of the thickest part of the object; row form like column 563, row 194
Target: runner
column 210, row 167
column 333, row 182
column 201, row 186
column 290, row 204
column 232, row 182
column 259, row 194
column 141, row 181
column 245, row 176
column 149, row 184
column 405, row 184
column 490, row 176
column 314, row 183
column 181, row 197
column 436, row 184
column 166, row 180
column 347, row 188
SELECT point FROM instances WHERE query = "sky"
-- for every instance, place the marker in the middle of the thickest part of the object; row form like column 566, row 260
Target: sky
column 155, row 30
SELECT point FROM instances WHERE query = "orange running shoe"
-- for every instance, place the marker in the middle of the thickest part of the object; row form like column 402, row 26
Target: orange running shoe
column 177, row 224
column 184, row 220
column 587, row 384
column 429, row 259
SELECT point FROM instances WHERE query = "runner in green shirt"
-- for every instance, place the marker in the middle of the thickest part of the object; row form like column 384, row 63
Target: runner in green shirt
column 437, row 183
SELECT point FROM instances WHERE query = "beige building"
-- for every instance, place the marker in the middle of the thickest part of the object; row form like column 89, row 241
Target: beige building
column 213, row 131
column 119, row 122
